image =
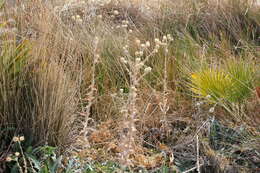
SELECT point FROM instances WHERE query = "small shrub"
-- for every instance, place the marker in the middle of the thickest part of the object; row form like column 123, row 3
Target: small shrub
column 228, row 86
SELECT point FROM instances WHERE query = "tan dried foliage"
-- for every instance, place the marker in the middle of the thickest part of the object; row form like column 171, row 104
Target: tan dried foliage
column 148, row 161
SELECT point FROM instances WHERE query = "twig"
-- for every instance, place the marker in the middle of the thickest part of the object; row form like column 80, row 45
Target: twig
column 189, row 170
column 198, row 154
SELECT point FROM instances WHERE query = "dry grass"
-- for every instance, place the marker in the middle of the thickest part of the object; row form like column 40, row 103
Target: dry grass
column 85, row 78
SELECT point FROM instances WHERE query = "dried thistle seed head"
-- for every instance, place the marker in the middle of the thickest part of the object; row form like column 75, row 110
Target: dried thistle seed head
column 156, row 40
column 79, row 20
column 138, row 59
column 164, row 38
column 17, row 154
column 21, row 138
column 16, row 139
column 123, row 60
column 211, row 110
column 116, row 12
column 133, row 88
column 130, row 31
column 147, row 69
column 138, row 42
column 169, row 37
column 147, row 43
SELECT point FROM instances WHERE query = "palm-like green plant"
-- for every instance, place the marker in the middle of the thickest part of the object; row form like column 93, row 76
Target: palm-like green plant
column 211, row 84
column 242, row 76
column 228, row 86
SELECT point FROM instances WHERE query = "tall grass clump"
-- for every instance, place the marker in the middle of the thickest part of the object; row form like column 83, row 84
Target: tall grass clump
column 37, row 101
column 37, row 95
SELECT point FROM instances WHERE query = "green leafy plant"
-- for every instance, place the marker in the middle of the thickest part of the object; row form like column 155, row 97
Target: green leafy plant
column 211, row 84
column 42, row 159
column 228, row 86
column 242, row 75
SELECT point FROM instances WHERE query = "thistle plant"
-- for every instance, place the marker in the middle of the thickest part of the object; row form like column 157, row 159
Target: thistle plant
column 92, row 88
column 136, row 68
column 164, row 104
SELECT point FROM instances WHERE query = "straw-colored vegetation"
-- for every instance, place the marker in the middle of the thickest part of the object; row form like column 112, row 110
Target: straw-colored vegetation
column 130, row 86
